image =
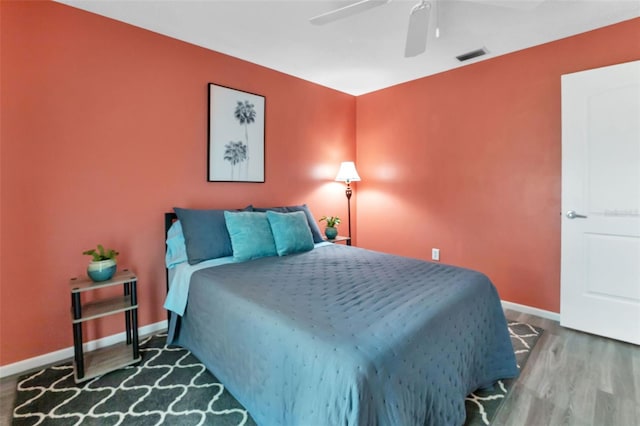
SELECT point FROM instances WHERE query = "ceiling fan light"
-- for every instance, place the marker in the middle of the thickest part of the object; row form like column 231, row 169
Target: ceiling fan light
column 346, row 11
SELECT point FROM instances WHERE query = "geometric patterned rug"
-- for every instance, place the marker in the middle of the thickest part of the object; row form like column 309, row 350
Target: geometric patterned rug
column 171, row 387
column 483, row 405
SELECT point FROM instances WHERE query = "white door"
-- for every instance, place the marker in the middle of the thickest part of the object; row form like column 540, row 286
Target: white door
column 600, row 269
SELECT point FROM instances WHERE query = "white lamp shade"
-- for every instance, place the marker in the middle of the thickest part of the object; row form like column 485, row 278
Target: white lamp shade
column 347, row 172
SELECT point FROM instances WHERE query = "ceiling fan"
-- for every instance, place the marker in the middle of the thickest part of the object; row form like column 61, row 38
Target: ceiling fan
column 416, row 32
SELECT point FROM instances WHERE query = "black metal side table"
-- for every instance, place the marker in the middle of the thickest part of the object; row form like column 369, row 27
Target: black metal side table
column 101, row 361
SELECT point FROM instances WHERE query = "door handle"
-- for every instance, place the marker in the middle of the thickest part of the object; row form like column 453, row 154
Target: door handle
column 571, row 214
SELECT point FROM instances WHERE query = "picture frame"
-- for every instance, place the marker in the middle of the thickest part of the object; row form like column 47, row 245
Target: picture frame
column 236, row 129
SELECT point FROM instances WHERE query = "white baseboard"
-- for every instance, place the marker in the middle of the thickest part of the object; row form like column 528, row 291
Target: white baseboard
column 530, row 310
column 66, row 353
column 63, row 354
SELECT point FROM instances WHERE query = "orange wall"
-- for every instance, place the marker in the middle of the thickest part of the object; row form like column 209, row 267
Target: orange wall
column 103, row 129
column 469, row 161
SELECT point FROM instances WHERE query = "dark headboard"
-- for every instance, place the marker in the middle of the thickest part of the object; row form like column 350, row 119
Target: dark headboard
column 169, row 218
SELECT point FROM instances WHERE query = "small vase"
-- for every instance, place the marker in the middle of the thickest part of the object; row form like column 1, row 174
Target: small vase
column 331, row 232
column 102, row 270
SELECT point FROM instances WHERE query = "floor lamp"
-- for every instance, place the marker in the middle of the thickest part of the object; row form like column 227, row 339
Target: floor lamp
column 348, row 174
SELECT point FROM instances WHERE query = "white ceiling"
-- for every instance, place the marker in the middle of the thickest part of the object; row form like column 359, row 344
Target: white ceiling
column 365, row 52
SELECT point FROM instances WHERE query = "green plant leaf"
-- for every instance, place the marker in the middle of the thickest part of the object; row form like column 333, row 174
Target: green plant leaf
column 332, row 221
column 101, row 253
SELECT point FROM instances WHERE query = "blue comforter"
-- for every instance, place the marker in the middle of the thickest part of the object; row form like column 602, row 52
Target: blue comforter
column 346, row 336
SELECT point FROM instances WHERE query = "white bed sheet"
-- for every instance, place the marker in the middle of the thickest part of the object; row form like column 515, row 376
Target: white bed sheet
column 180, row 277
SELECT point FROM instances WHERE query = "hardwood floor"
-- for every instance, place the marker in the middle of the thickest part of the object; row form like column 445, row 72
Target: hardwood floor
column 574, row 378
column 571, row 378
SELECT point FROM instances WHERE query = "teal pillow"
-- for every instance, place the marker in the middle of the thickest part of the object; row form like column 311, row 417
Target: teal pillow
column 291, row 232
column 250, row 235
column 313, row 225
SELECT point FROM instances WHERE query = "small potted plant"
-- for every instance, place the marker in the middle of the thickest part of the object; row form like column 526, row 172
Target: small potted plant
column 103, row 263
column 331, row 231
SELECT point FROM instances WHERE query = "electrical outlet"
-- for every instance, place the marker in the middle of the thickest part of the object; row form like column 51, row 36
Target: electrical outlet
column 435, row 254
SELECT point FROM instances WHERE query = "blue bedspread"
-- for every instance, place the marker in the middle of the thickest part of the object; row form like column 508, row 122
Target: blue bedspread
column 346, row 336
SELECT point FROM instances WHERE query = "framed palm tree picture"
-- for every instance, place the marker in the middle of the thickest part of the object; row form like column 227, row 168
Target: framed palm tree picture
column 236, row 135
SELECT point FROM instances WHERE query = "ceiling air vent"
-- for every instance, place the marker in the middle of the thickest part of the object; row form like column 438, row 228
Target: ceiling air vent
column 472, row 54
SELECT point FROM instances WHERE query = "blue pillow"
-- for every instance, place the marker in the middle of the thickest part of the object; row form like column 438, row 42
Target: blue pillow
column 291, row 232
column 205, row 234
column 251, row 236
column 313, row 226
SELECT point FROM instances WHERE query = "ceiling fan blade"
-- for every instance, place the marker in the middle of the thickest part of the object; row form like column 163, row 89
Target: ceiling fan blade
column 343, row 12
column 418, row 29
column 524, row 5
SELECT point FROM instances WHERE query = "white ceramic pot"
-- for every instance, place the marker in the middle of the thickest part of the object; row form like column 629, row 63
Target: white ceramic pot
column 101, row 270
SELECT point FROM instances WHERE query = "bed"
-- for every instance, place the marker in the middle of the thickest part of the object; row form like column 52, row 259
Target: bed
column 339, row 335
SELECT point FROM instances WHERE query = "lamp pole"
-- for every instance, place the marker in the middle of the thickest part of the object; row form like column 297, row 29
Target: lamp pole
column 348, row 192
column 347, row 174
